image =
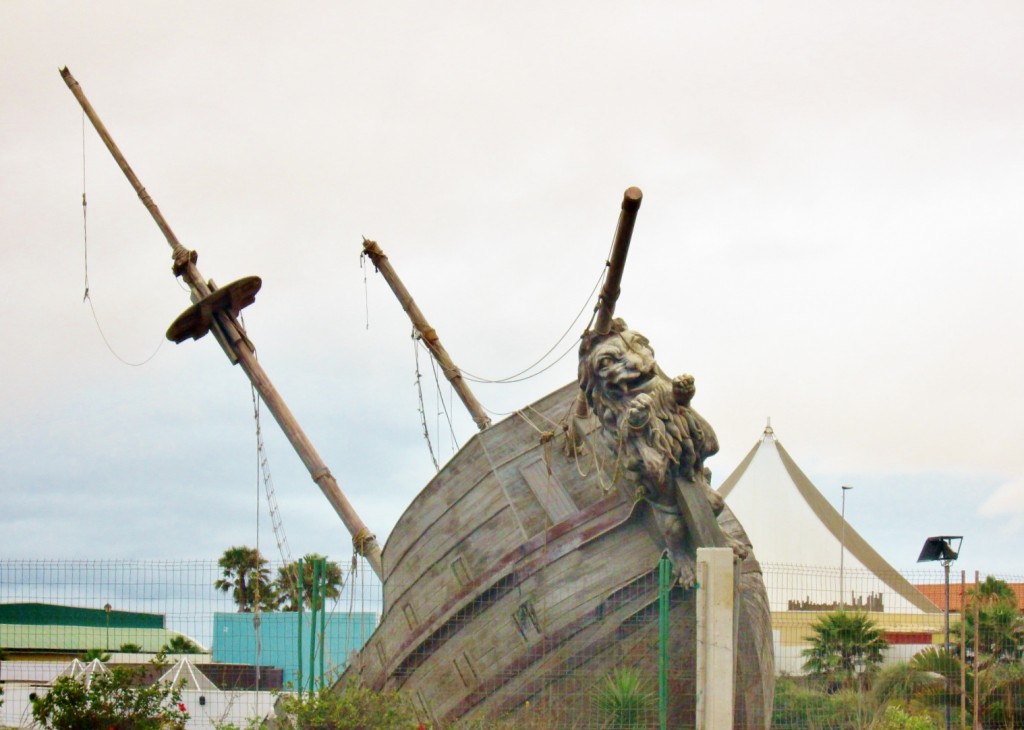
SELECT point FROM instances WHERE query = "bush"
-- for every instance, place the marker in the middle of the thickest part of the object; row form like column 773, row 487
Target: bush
column 346, row 707
column 115, row 700
column 896, row 718
column 800, row 708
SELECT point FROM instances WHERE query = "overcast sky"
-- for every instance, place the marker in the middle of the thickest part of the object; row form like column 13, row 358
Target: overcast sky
column 830, row 236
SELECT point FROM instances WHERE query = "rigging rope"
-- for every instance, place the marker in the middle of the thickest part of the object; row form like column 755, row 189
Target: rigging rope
column 263, row 474
column 419, row 392
column 515, row 377
column 86, row 296
column 257, row 620
column 85, row 226
column 440, row 397
column 366, row 287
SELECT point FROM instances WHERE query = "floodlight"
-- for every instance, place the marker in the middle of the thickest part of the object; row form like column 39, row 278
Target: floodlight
column 940, row 548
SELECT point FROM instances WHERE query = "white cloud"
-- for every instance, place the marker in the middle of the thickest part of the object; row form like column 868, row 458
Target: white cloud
column 1007, row 503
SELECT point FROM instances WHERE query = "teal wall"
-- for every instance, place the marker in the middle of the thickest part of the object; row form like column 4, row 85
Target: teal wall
column 234, row 640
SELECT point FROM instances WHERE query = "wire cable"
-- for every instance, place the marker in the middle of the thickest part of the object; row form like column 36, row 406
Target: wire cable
column 86, row 297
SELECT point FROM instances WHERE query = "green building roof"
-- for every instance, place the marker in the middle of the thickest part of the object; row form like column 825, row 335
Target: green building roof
column 42, row 638
column 49, row 614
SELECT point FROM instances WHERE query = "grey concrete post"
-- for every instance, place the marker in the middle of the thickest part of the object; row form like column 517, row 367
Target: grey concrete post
column 716, row 655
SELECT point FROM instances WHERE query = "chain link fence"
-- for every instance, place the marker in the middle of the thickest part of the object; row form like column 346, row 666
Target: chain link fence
column 851, row 649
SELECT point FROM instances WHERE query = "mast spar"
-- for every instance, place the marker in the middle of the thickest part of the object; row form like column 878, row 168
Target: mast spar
column 631, row 200
column 427, row 333
column 605, row 309
column 216, row 310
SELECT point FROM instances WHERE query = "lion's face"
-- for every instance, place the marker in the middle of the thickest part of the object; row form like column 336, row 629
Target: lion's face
column 620, row 366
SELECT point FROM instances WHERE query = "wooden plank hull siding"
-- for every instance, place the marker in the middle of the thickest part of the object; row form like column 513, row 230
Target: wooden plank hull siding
column 518, row 576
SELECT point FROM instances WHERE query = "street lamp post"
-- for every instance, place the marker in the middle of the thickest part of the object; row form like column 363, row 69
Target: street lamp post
column 107, row 609
column 842, row 551
column 941, row 549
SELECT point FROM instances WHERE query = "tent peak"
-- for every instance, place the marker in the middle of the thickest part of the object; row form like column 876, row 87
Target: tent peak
column 768, row 432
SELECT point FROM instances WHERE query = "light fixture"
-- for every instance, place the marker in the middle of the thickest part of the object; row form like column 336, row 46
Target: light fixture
column 842, row 550
column 940, row 549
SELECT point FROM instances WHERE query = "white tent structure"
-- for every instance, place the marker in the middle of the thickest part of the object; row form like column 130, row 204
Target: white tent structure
column 790, row 523
column 84, row 672
column 186, row 676
column 814, row 561
column 209, row 707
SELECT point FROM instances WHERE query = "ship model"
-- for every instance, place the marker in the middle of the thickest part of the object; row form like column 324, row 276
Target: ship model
column 526, row 571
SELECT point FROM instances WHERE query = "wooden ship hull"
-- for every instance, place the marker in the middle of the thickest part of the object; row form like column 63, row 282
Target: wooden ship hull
column 520, row 577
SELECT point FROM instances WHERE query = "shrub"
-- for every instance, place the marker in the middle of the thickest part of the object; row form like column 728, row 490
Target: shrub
column 624, row 700
column 345, row 707
column 801, row 708
column 896, row 718
column 115, row 700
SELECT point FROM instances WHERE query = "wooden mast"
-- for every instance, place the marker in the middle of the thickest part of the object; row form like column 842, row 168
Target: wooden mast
column 605, row 308
column 631, row 200
column 427, row 333
column 232, row 337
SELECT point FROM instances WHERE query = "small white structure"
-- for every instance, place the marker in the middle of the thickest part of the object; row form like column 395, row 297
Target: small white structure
column 83, row 672
column 186, row 676
column 208, row 707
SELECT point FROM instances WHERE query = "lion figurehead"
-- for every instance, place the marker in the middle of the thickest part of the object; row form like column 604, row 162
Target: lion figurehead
column 638, row 404
column 616, row 367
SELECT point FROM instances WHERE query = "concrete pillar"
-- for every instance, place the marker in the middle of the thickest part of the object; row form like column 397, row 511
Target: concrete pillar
column 716, row 655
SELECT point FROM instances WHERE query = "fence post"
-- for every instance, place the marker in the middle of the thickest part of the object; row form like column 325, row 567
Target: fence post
column 716, row 656
column 664, row 588
column 323, row 618
column 298, row 601
column 312, row 625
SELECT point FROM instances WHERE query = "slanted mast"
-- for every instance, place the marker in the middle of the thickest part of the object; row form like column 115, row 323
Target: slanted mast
column 217, row 310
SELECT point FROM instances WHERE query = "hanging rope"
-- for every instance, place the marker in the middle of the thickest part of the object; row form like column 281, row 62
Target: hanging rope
column 86, row 296
column 257, row 609
column 419, row 393
column 521, row 375
column 444, row 408
column 85, row 226
column 366, row 288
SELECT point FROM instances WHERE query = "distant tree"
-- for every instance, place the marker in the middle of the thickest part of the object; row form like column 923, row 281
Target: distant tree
column 180, row 645
column 844, row 645
column 289, row 582
column 246, row 575
column 95, row 654
column 130, row 648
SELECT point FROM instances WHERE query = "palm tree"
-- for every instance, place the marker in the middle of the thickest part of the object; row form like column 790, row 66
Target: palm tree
column 288, row 581
column 95, row 654
column 180, row 645
column 246, row 575
column 997, row 672
column 845, row 644
column 1000, row 686
column 1000, row 626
